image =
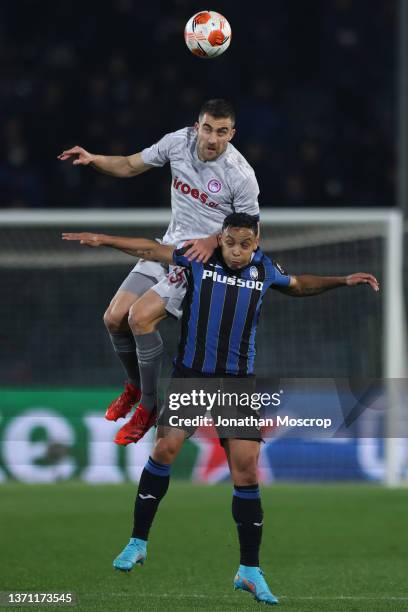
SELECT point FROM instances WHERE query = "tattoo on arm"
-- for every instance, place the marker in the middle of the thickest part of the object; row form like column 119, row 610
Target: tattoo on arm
column 308, row 285
column 305, row 291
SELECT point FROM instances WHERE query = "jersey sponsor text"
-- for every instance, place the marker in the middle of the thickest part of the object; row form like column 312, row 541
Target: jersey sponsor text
column 193, row 192
column 232, row 280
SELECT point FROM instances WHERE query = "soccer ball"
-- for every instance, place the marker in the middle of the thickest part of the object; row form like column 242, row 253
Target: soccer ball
column 207, row 34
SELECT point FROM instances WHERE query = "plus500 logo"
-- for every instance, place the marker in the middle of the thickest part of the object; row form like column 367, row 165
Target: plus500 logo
column 232, row 280
column 193, row 192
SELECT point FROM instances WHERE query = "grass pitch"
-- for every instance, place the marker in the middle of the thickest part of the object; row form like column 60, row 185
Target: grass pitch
column 325, row 547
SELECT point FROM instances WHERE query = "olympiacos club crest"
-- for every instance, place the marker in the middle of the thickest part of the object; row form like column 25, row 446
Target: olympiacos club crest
column 214, row 186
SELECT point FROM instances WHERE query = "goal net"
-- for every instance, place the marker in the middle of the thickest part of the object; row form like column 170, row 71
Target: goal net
column 55, row 294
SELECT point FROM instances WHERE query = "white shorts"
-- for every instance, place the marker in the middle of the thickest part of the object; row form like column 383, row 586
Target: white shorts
column 169, row 282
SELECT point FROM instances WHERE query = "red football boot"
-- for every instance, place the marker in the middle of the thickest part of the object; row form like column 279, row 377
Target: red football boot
column 123, row 404
column 139, row 424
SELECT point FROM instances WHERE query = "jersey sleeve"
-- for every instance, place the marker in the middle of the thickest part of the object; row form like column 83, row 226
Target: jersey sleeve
column 159, row 153
column 279, row 276
column 179, row 259
column 246, row 200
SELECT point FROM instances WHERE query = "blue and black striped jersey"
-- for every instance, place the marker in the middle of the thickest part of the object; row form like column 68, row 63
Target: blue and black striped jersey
column 221, row 312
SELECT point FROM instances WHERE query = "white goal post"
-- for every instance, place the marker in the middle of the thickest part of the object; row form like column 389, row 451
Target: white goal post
column 305, row 227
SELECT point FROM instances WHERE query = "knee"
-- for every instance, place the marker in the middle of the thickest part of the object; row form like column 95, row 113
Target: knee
column 165, row 451
column 140, row 321
column 245, row 472
column 112, row 322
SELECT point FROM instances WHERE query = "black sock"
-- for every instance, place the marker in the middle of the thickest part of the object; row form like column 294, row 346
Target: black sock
column 153, row 486
column 248, row 515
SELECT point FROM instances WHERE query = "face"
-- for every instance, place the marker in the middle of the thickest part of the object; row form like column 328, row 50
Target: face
column 237, row 245
column 213, row 136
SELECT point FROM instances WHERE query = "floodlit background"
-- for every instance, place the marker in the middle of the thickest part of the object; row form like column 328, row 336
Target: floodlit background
column 318, row 89
column 321, row 93
column 314, row 86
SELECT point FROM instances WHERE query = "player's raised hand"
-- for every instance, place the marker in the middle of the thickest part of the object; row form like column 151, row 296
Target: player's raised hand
column 81, row 157
column 200, row 249
column 360, row 278
column 93, row 240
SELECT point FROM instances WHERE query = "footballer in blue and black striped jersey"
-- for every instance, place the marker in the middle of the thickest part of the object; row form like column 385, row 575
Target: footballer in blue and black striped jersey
column 221, row 312
column 224, row 295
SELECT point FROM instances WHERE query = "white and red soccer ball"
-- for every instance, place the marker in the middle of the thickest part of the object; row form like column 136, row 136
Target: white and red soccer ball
column 207, row 34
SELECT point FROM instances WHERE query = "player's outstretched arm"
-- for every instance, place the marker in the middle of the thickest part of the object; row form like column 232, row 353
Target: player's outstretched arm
column 114, row 165
column 307, row 284
column 139, row 247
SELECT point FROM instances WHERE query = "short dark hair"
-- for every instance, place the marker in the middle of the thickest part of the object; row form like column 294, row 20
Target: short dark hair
column 218, row 108
column 241, row 220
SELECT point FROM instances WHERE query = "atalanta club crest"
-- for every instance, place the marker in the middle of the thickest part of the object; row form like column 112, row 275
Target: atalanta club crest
column 214, row 186
column 253, row 273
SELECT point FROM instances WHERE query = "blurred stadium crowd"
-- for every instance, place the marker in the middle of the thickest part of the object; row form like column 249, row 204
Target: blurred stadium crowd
column 314, row 85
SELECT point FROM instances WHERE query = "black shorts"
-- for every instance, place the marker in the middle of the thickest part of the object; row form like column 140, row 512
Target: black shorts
column 230, row 421
column 181, row 371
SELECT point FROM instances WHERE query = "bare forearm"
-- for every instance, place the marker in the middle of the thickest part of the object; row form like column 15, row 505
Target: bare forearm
column 114, row 165
column 140, row 247
column 308, row 284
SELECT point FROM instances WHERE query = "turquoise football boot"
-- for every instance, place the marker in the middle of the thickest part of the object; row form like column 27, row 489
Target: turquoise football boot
column 134, row 553
column 252, row 579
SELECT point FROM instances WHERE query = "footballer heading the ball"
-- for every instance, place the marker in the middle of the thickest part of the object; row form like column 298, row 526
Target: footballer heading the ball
column 207, row 34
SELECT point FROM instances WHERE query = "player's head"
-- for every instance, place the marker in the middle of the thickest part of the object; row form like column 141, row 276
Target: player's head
column 238, row 239
column 215, row 128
